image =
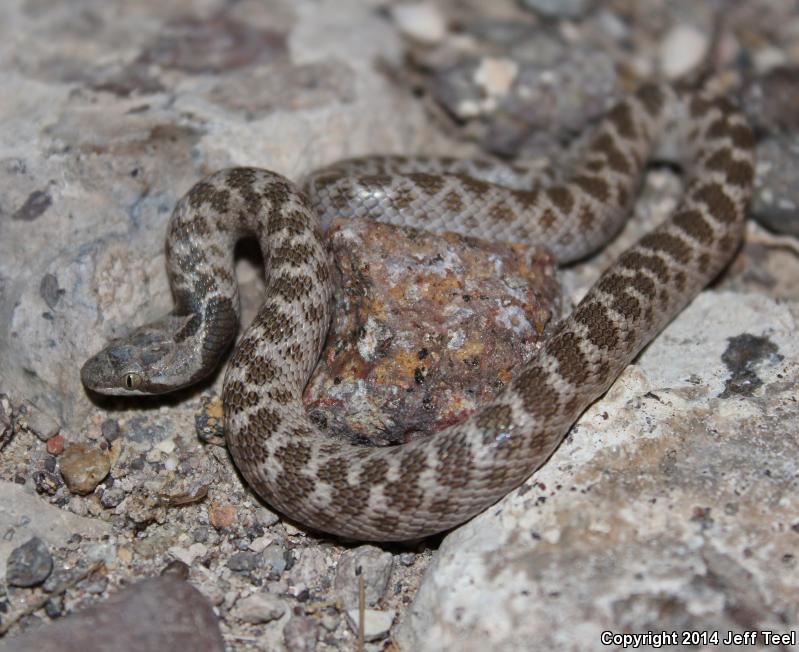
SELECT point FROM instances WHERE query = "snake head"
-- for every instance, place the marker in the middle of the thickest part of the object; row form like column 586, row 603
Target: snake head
column 157, row 358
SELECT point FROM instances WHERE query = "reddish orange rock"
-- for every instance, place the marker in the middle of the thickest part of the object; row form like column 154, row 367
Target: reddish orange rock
column 55, row 445
column 426, row 328
column 221, row 516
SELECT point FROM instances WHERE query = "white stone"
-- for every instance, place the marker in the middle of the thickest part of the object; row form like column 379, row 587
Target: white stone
column 376, row 624
column 421, row 21
column 260, row 608
column 496, row 76
column 681, row 50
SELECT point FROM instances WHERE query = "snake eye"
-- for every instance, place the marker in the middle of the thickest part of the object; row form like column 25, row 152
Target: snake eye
column 132, row 380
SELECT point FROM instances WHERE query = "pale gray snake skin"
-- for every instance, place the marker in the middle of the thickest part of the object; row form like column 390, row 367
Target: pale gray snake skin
column 432, row 484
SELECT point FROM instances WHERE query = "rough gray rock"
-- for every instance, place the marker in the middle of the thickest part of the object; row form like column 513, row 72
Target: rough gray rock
column 651, row 515
column 776, row 200
column 29, row 564
column 372, row 564
column 155, row 614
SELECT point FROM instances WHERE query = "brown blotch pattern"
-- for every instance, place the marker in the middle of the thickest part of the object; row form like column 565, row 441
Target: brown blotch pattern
column 669, row 244
column 260, row 370
column 561, row 197
column 694, row 226
column 565, row 348
column 721, row 207
column 594, row 186
column 494, row 420
column 538, row 396
column 601, row 330
column 455, row 460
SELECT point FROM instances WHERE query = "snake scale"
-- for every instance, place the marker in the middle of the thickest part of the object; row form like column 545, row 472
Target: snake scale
column 432, row 484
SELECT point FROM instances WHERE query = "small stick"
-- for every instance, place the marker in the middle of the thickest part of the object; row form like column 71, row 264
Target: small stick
column 361, row 610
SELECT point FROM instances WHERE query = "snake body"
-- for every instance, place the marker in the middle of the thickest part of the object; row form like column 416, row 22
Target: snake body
column 432, row 484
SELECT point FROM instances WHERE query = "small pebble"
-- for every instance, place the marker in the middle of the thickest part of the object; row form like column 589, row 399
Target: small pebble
column 29, row 564
column 407, row 558
column 266, row 517
column 682, row 49
column 558, row 8
column 243, row 561
column 177, row 569
column 300, row 634
column 54, row 607
column 260, row 608
column 40, row 424
column 376, row 624
column 274, row 558
column 110, row 430
column 421, row 21
column 55, row 445
column 221, row 516
column 375, row 566
column 83, row 467
column 776, row 201
column 112, row 496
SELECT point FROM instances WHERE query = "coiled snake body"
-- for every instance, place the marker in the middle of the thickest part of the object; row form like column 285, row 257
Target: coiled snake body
column 432, row 484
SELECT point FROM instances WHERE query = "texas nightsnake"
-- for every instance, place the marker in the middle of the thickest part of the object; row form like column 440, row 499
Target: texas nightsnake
column 434, row 483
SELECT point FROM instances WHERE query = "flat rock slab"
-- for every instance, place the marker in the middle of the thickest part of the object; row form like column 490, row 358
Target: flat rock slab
column 155, row 614
column 673, row 504
column 24, row 515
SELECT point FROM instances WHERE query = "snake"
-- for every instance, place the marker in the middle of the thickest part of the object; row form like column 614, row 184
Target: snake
column 432, row 484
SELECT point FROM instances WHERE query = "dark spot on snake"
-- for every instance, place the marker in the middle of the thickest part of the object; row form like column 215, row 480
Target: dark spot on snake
column 538, row 396
column 565, row 348
column 561, row 197
column 601, row 330
column 455, row 460
column 669, row 244
column 495, row 421
column 720, row 206
column 694, row 226
column 621, row 117
column 594, row 186
column 651, row 96
column 430, row 184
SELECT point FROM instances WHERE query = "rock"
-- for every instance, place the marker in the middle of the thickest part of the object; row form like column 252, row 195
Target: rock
column 29, row 564
column 6, row 419
column 376, row 624
column 110, row 429
column 221, row 516
column 83, row 467
column 682, row 49
column 55, row 445
column 275, row 558
column 266, row 517
column 155, row 614
column 24, row 515
column 769, row 101
column 640, row 514
column 300, row 634
column 244, row 561
column 310, row 570
column 371, row 563
column 409, row 350
column 559, row 8
column 776, row 201
column 422, row 21
column 520, row 91
column 209, row 422
column 39, row 423
column 260, row 608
